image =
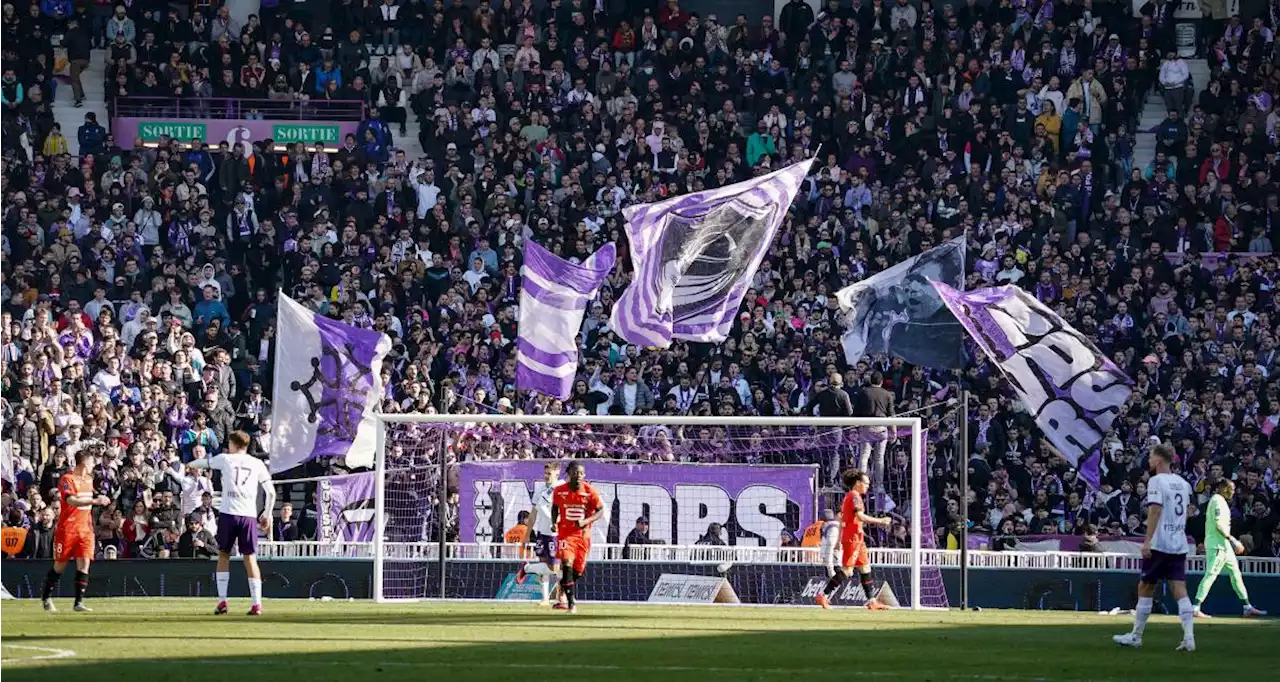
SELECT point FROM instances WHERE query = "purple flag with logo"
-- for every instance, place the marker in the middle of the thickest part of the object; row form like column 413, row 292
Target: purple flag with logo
column 328, row 381
column 344, row 508
column 695, row 255
column 554, row 295
column 1073, row 391
column 753, row 505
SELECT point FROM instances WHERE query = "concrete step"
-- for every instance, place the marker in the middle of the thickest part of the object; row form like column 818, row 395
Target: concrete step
column 70, row 116
column 1144, row 149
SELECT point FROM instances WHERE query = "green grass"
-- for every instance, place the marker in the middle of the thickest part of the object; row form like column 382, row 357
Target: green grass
column 154, row 640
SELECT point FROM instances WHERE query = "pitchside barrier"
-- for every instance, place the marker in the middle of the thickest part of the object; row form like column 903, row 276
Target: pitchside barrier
column 666, row 574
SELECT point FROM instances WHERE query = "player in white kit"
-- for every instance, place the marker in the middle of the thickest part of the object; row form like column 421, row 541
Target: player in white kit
column 543, row 536
column 1164, row 551
column 243, row 478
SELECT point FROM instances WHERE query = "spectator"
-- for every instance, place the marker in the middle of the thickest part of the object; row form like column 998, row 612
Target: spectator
column 638, row 536
column 285, row 529
column 196, row 542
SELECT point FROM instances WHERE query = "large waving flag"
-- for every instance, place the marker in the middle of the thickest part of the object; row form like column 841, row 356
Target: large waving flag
column 1072, row 389
column 328, row 383
column 897, row 311
column 7, row 473
column 553, row 297
column 695, row 255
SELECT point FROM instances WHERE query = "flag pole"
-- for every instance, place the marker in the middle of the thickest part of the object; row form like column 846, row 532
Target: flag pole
column 442, row 489
column 964, row 499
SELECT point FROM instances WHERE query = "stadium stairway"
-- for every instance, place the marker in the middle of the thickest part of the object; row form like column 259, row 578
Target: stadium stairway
column 1153, row 112
column 71, row 117
column 409, row 141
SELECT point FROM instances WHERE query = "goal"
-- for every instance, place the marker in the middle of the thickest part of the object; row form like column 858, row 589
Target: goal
column 697, row 508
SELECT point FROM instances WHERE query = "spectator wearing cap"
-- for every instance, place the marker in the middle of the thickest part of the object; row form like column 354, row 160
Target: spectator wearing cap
column 253, row 409
column 196, row 542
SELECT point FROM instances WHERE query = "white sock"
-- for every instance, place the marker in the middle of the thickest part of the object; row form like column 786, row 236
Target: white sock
column 1186, row 615
column 536, row 568
column 545, row 582
column 224, row 579
column 255, row 590
column 1141, row 614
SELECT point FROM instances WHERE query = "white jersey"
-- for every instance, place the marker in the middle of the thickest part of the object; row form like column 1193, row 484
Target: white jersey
column 1173, row 494
column 542, row 505
column 243, row 476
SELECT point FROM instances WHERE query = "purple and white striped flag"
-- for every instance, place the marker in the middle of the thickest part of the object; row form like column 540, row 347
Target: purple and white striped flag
column 554, row 295
column 1071, row 388
column 695, row 255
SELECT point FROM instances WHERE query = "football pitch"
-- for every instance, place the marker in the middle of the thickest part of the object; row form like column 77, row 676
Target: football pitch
column 149, row 640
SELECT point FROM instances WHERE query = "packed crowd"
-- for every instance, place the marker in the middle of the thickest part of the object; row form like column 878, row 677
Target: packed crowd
column 139, row 284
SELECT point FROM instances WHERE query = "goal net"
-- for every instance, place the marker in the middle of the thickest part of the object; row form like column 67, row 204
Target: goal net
column 714, row 509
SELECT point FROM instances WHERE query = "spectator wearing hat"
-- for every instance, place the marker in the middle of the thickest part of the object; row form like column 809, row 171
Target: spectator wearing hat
column 196, row 542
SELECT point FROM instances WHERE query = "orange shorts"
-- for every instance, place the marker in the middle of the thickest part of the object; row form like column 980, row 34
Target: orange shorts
column 574, row 551
column 853, row 553
column 72, row 544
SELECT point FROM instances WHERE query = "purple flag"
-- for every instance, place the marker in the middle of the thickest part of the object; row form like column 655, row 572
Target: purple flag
column 753, row 504
column 328, row 380
column 1064, row 381
column 695, row 255
column 554, row 295
column 344, row 508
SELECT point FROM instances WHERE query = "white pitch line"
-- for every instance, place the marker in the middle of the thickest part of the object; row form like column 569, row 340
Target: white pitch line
column 50, row 655
column 590, row 667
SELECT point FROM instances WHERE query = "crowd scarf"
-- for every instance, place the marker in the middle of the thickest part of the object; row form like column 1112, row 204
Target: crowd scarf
column 1233, row 33
column 1067, row 63
column 1018, row 59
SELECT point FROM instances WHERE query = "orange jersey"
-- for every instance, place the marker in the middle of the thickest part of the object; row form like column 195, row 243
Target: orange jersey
column 574, row 506
column 849, row 510
column 73, row 518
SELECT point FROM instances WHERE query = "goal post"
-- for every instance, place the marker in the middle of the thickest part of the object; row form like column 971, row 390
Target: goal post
column 415, row 555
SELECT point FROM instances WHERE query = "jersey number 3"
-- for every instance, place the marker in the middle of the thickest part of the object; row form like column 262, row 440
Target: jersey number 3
column 1178, row 506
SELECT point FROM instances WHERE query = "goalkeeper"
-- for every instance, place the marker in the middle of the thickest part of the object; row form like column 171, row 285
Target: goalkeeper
column 1220, row 549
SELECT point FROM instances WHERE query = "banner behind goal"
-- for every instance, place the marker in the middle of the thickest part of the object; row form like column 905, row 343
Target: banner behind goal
column 724, row 499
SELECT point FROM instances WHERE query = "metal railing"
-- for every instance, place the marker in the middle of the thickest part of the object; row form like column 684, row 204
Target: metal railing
column 239, row 108
column 710, row 554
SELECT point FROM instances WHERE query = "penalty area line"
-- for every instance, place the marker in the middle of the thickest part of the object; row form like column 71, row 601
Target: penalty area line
column 50, row 654
column 592, row 667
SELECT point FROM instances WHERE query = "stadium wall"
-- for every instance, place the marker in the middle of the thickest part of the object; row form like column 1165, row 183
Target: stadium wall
column 621, row 581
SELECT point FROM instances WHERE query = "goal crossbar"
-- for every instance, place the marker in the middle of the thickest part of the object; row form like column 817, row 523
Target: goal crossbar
column 915, row 424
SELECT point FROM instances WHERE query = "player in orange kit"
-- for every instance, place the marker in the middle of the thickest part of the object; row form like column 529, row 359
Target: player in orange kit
column 73, row 538
column 574, row 507
column 853, row 541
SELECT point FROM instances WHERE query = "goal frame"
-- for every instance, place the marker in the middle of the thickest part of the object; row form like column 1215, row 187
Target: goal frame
column 915, row 424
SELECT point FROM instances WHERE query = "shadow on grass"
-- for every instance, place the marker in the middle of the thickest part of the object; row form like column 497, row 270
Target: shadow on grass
column 894, row 651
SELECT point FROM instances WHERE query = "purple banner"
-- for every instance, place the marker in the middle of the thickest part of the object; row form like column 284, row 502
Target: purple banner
column 753, row 505
column 131, row 130
column 344, row 508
